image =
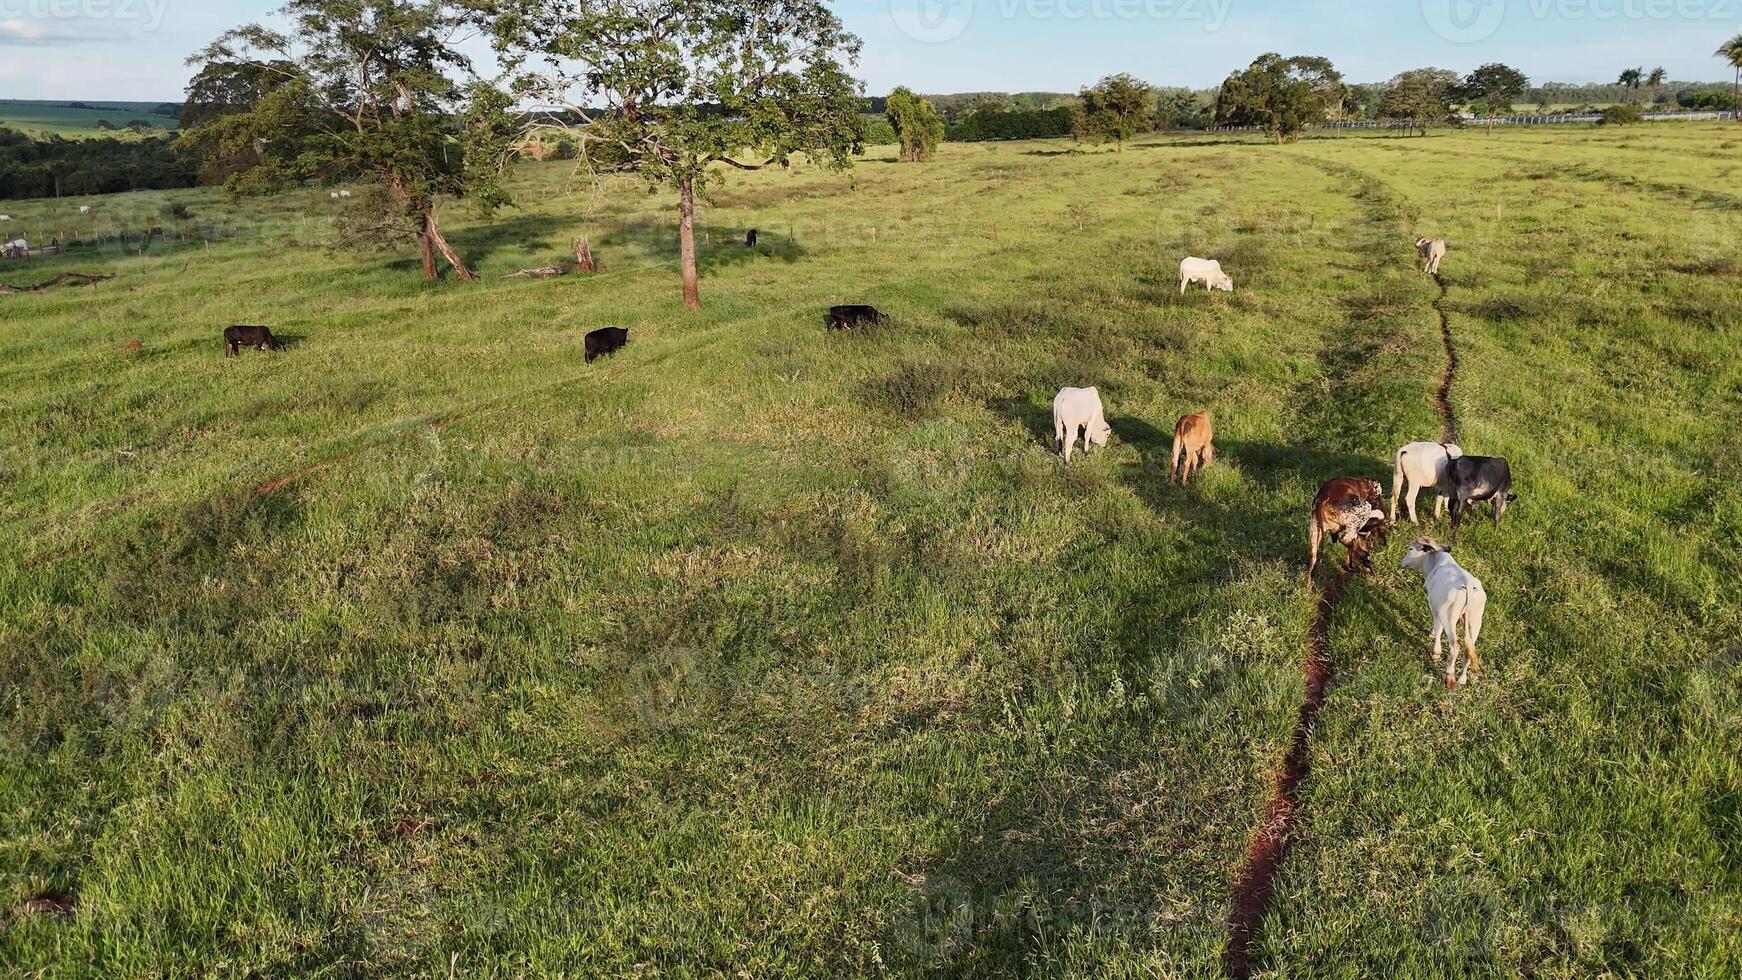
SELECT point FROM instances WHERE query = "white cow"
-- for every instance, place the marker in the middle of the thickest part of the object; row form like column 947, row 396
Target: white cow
column 333, row 194
column 1207, row 271
column 1423, row 466
column 16, row 249
column 1432, row 252
column 1076, row 408
column 84, row 209
column 5, row 217
column 344, row 193
column 1454, row 596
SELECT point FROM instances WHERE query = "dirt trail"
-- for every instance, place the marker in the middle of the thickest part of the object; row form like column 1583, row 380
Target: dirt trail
column 1256, row 884
column 1443, row 397
column 1258, row 872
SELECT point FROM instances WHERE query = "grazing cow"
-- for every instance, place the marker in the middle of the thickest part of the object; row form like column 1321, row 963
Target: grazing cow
column 1472, row 479
column 5, row 217
column 1423, row 466
column 848, row 317
column 1207, row 271
column 259, row 338
column 605, row 340
column 84, row 209
column 1350, row 510
column 750, row 238
column 1454, row 597
column 344, row 193
column 1432, row 252
column 1193, row 446
column 16, row 249
column 1079, row 408
column 333, row 194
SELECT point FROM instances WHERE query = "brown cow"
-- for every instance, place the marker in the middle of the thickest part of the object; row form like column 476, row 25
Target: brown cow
column 1193, row 438
column 1351, row 510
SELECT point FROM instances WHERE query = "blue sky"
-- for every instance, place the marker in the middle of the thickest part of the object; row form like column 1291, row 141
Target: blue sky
column 134, row 49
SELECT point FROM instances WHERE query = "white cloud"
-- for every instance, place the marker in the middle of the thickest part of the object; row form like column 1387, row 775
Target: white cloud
column 20, row 30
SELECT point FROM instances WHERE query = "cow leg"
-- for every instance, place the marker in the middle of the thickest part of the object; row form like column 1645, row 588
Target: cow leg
column 1439, row 506
column 1409, row 499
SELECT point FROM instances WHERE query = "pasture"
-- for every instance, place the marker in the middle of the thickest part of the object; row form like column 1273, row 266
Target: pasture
column 423, row 647
column 63, row 119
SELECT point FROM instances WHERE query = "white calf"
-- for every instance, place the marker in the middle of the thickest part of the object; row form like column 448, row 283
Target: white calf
column 5, row 217
column 84, row 209
column 1423, row 466
column 1076, row 408
column 1432, row 252
column 1454, row 596
column 344, row 193
column 1207, row 271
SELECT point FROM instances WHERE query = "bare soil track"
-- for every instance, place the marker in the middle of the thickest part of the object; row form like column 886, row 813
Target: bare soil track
column 1257, row 879
column 1256, row 883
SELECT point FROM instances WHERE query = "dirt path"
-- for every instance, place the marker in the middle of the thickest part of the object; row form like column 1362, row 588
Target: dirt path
column 1257, row 881
column 1256, row 884
column 1443, row 397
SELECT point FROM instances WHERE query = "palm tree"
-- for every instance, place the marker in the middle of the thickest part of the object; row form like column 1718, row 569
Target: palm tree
column 1731, row 52
column 1632, row 78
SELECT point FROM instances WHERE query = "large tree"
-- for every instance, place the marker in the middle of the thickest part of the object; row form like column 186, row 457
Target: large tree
column 1113, row 110
column 1492, row 89
column 1422, row 97
column 1731, row 52
column 673, row 90
column 362, row 94
column 918, row 127
column 1282, row 95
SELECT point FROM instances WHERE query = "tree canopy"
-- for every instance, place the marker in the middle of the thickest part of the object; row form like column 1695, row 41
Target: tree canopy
column 361, row 93
column 918, row 127
column 667, row 89
column 1493, row 89
column 1281, row 95
column 1113, row 110
column 1422, row 97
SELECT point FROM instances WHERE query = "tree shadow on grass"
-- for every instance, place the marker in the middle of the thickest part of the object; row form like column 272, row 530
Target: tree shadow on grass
column 718, row 247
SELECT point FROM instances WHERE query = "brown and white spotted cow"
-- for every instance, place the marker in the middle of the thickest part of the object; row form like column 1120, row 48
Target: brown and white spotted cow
column 1350, row 510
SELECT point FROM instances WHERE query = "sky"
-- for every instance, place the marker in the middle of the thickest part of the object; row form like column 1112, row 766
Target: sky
column 134, row 50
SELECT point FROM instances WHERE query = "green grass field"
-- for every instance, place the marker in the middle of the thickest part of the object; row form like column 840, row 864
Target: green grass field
column 422, row 647
column 62, row 119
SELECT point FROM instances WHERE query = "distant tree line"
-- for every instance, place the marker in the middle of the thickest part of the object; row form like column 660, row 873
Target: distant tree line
column 55, row 167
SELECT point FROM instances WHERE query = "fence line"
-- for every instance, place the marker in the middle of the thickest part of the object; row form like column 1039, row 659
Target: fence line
column 1525, row 120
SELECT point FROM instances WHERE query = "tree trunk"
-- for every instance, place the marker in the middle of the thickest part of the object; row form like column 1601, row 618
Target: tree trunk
column 432, row 235
column 426, row 248
column 584, row 260
column 692, row 290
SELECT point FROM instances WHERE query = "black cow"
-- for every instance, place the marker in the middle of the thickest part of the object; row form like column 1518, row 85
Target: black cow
column 750, row 239
column 1472, row 479
column 848, row 317
column 259, row 338
column 606, row 340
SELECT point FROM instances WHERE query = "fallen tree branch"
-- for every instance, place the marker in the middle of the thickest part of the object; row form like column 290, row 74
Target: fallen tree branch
column 543, row 270
column 57, row 280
